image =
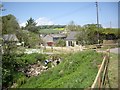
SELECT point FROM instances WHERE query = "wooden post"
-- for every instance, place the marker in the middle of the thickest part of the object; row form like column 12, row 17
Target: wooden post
column 99, row 78
column 103, row 69
column 98, row 74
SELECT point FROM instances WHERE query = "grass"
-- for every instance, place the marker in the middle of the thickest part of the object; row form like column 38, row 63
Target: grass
column 49, row 31
column 113, row 70
column 25, row 59
column 21, row 61
column 77, row 70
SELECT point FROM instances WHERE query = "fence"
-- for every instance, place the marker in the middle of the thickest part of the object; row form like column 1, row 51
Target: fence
column 102, row 76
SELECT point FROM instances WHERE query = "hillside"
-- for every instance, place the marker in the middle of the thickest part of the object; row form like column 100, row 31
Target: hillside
column 49, row 31
column 77, row 70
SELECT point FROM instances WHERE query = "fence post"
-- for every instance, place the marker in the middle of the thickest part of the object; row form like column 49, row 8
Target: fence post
column 99, row 78
column 108, row 58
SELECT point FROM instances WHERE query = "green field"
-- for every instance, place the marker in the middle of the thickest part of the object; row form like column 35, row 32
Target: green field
column 49, row 31
column 77, row 70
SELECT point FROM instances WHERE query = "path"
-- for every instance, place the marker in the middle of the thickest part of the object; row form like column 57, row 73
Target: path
column 115, row 50
column 113, row 68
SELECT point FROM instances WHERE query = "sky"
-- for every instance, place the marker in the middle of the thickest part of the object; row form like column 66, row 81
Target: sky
column 63, row 12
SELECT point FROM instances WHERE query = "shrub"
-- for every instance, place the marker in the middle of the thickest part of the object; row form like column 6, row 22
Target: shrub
column 60, row 43
column 40, row 57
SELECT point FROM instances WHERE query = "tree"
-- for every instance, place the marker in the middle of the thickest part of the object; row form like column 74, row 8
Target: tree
column 29, row 38
column 71, row 26
column 31, row 25
column 9, row 24
column 30, row 22
column 88, row 35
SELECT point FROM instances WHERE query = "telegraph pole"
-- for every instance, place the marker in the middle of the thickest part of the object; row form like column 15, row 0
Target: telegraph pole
column 97, row 21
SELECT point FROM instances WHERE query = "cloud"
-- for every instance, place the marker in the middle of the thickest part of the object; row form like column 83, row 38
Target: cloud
column 43, row 21
column 40, row 21
column 22, row 24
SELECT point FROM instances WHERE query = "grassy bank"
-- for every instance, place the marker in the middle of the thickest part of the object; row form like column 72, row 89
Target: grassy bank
column 77, row 70
column 113, row 70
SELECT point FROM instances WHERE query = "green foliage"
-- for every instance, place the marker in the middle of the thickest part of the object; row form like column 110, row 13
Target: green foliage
column 111, row 31
column 48, row 31
column 77, row 70
column 72, row 27
column 49, row 65
column 90, row 34
column 87, row 37
column 29, row 38
column 12, row 62
column 40, row 57
column 60, row 43
column 31, row 25
column 9, row 65
column 19, row 78
column 51, row 26
column 30, row 22
column 25, row 59
column 9, row 24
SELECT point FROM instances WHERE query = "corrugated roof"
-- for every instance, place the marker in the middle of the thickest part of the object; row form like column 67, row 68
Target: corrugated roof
column 10, row 37
column 72, row 35
column 58, row 35
column 48, row 38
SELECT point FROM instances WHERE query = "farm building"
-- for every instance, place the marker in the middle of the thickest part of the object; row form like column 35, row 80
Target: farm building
column 10, row 38
column 71, row 39
column 50, row 39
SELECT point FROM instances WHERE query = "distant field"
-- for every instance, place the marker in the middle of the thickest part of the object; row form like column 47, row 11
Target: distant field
column 59, row 28
column 48, row 31
column 77, row 70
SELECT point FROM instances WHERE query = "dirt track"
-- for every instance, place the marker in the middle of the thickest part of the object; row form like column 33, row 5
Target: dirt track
column 115, row 50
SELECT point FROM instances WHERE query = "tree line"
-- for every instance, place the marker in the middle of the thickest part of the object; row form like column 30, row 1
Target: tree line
column 88, row 34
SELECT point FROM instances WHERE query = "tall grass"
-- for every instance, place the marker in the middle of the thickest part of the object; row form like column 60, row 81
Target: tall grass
column 77, row 70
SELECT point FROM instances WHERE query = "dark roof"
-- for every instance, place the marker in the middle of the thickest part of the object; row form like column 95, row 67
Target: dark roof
column 48, row 38
column 10, row 37
column 72, row 35
column 58, row 35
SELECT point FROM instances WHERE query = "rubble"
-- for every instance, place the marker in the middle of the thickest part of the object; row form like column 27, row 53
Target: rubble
column 36, row 69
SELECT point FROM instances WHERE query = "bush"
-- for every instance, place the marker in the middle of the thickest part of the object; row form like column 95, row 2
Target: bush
column 21, row 80
column 40, row 57
column 60, row 43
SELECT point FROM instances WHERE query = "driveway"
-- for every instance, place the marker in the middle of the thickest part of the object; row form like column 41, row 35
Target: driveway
column 115, row 50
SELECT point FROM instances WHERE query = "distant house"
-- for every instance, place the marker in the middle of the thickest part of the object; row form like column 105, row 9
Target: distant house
column 10, row 38
column 58, row 36
column 71, row 39
column 50, row 39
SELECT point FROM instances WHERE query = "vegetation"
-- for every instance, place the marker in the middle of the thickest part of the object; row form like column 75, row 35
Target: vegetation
column 51, row 26
column 49, row 31
column 9, row 24
column 77, row 70
column 31, row 25
column 60, row 43
column 72, row 27
column 70, row 73
column 90, row 34
column 113, row 70
column 13, row 62
column 28, row 38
